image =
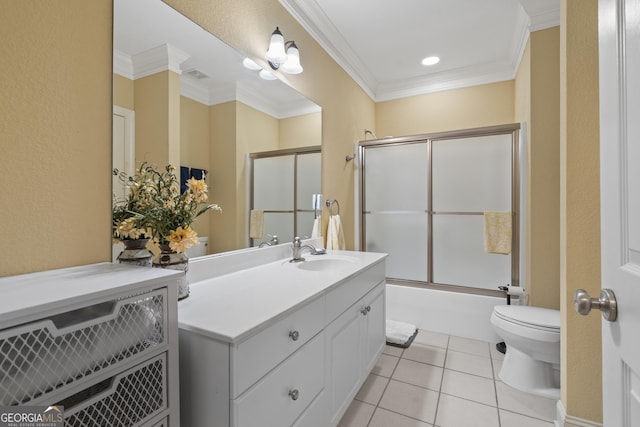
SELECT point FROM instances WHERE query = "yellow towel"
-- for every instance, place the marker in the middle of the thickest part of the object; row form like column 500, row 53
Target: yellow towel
column 335, row 235
column 256, row 224
column 497, row 232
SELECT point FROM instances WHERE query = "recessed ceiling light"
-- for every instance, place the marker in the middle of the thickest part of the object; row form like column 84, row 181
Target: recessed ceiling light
column 430, row 60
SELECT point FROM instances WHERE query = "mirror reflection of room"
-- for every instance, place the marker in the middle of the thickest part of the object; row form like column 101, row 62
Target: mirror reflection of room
column 183, row 97
column 283, row 185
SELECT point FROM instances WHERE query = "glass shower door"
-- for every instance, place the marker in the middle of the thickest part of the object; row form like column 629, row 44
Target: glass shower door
column 469, row 176
column 395, row 207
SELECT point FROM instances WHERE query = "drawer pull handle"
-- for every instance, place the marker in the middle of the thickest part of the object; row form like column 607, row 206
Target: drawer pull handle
column 294, row 394
column 365, row 310
column 294, row 335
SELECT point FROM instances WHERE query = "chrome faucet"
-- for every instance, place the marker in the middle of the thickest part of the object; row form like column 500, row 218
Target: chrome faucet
column 298, row 248
column 273, row 241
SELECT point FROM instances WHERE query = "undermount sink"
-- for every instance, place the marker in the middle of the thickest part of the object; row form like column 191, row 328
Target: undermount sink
column 324, row 263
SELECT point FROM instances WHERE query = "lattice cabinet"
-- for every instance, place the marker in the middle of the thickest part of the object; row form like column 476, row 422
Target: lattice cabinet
column 100, row 340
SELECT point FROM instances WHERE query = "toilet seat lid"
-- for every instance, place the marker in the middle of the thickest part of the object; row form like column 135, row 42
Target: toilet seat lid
column 543, row 318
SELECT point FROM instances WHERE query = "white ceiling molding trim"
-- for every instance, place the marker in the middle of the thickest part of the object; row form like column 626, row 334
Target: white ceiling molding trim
column 254, row 100
column 157, row 59
column 308, row 14
column 191, row 89
column 222, row 93
column 122, row 64
column 520, row 40
column 542, row 13
column 449, row 80
column 545, row 20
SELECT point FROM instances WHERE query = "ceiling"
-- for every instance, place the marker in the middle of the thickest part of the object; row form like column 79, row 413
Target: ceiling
column 381, row 43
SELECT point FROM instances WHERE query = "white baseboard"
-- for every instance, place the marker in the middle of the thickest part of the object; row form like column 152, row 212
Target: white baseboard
column 564, row 420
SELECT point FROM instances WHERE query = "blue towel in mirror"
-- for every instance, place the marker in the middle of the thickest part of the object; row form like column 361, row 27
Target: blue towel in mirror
column 184, row 177
column 198, row 173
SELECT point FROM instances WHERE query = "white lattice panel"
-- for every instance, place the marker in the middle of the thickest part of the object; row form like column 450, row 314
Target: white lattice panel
column 48, row 355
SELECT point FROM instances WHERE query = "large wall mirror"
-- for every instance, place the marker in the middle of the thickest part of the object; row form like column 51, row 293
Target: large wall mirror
column 182, row 95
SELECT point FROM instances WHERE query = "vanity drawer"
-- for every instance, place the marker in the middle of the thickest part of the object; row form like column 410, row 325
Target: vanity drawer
column 127, row 399
column 342, row 297
column 63, row 350
column 256, row 356
column 280, row 397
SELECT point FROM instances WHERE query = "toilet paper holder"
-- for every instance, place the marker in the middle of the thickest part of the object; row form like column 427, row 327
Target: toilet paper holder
column 510, row 291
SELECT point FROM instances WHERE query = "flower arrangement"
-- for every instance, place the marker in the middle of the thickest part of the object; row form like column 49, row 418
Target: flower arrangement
column 128, row 220
column 157, row 209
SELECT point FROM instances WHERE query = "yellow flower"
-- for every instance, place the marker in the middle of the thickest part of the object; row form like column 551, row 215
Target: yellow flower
column 182, row 239
column 199, row 188
column 127, row 229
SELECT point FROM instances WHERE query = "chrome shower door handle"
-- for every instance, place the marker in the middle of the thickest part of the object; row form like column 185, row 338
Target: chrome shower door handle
column 607, row 303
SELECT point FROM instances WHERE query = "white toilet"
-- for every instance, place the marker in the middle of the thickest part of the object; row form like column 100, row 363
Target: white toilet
column 532, row 336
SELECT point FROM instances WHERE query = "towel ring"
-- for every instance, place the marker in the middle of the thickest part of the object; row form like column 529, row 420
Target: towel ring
column 330, row 203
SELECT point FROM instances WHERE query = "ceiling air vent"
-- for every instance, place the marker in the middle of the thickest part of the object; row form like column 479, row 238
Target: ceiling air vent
column 197, row 74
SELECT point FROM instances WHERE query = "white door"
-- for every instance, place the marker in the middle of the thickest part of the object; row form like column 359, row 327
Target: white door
column 123, row 146
column 619, row 37
column 123, row 155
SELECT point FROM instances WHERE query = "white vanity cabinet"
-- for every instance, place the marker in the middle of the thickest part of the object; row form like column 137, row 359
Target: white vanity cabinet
column 299, row 366
column 99, row 340
column 354, row 341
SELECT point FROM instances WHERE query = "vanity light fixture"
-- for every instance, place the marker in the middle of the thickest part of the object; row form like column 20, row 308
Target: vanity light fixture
column 283, row 55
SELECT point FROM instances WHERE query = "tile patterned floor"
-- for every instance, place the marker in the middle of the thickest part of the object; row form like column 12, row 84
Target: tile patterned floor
column 444, row 381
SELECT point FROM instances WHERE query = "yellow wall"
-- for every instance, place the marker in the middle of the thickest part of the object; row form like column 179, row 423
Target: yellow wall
column 580, row 207
column 471, row 107
column 123, row 92
column 194, row 147
column 157, row 101
column 543, row 207
column 223, row 185
column 301, row 131
column 55, row 130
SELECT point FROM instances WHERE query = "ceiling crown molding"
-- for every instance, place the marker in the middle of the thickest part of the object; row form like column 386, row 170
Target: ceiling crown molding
column 157, row 59
column 536, row 15
column 307, row 13
column 122, row 64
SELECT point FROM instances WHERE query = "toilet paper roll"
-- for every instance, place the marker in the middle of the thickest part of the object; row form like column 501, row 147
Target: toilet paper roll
column 515, row 291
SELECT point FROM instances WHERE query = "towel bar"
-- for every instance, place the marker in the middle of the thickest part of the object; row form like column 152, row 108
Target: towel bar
column 330, row 203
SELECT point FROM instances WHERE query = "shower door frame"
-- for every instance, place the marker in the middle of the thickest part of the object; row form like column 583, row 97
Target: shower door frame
column 512, row 129
column 295, row 152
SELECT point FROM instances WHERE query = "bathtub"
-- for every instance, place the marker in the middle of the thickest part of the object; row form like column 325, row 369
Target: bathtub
column 453, row 313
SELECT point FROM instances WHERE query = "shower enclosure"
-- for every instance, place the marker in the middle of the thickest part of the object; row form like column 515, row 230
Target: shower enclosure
column 282, row 184
column 423, row 199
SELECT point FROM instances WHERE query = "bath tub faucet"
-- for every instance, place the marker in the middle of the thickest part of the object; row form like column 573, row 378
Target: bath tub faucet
column 298, row 248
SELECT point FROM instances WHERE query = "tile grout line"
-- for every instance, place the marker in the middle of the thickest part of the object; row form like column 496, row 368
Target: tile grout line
column 444, row 367
column 495, row 387
column 386, row 386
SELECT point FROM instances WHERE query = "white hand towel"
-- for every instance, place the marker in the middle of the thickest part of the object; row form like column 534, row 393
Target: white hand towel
column 316, row 232
column 335, row 235
column 497, row 232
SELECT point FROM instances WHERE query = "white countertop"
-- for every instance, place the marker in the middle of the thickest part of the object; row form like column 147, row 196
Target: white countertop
column 36, row 294
column 234, row 306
